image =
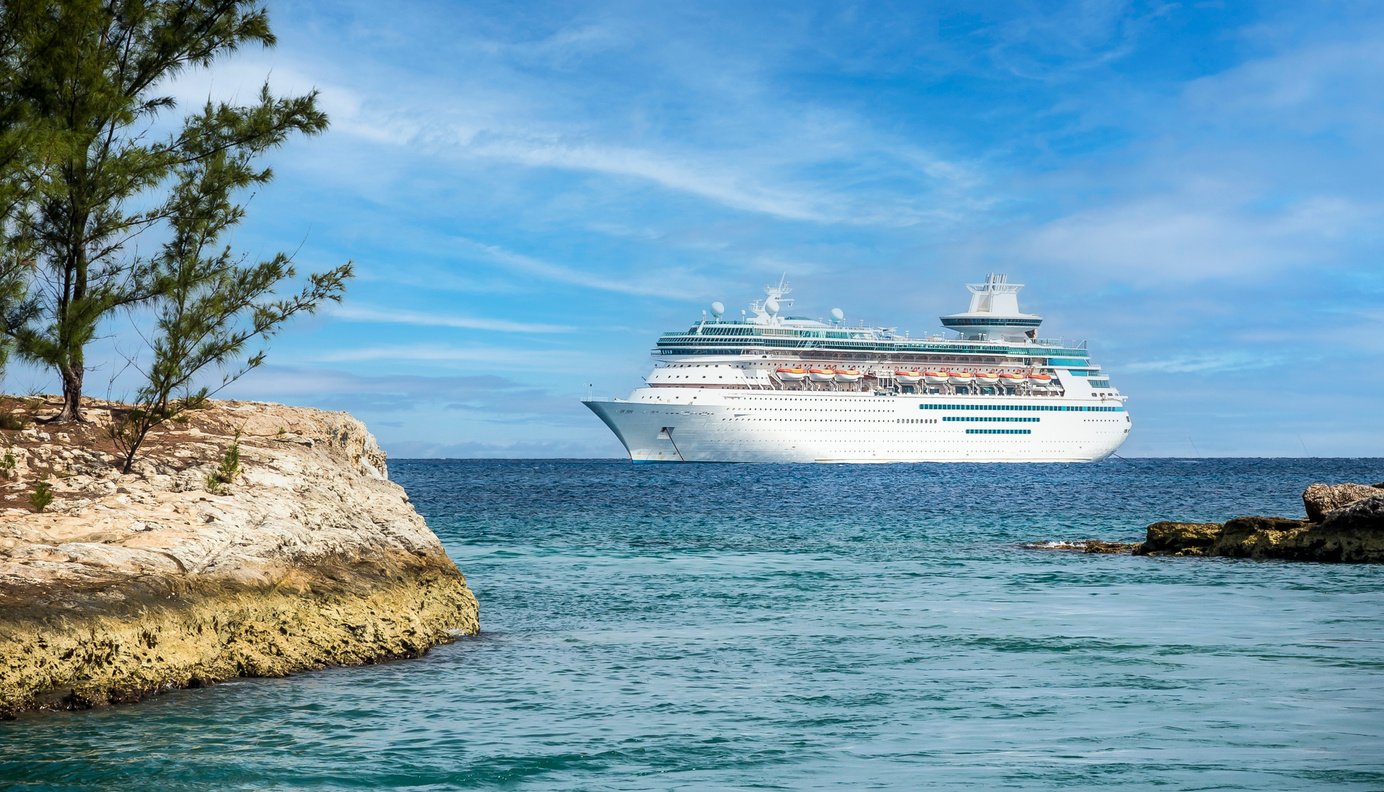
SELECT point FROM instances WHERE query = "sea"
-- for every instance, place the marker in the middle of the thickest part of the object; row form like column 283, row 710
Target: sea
column 765, row 627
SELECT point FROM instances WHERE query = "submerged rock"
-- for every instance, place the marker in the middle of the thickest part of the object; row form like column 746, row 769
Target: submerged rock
column 129, row 584
column 1106, row 548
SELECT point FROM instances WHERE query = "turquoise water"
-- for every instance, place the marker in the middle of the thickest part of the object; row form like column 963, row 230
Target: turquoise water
column 765, row 627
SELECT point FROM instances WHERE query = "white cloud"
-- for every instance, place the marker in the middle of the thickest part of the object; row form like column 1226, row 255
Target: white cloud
column 1185, row 239
column 1327, row 84
column 718, row 184
column 1220, row 362
column 361, row 313
column 495, row 358
column 651, row 284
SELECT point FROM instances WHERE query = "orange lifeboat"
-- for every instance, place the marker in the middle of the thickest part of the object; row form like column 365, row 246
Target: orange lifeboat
column 1013, row 380
column 960, row 378
column 908, row 377
column 848, row 375
column 792, row 374
column 987, row 378
column 821, row 375
column 937, row 377
column 1040, row 379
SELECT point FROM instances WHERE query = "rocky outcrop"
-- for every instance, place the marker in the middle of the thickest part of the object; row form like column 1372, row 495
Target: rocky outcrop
column 1345, row 524
column 1319, row 499
column 1181, row 538
column 128, row 584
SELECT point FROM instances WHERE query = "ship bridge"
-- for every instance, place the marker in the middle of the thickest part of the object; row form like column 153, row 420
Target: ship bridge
column 994, row 313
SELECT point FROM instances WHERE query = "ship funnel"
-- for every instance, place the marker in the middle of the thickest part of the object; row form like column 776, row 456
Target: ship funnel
column 994, row 313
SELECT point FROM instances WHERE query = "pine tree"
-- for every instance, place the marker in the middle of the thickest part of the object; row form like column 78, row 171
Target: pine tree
column 20, row 150
column 84, row 80
column 210, row 304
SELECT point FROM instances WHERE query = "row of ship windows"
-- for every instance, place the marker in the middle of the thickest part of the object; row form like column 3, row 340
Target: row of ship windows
column 827, row 427
column 1021, row 407
column 999, row 431
column 857, row 408
column 991, row 418
column 668, row 345
column 833, row 422
column 914, row 441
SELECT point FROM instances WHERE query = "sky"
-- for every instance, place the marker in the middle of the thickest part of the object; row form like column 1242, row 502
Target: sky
column 532, row 192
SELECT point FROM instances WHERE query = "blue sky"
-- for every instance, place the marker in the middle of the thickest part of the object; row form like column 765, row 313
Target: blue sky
column 532, row 192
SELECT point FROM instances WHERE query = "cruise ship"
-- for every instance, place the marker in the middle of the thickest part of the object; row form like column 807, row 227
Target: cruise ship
column 770, row 387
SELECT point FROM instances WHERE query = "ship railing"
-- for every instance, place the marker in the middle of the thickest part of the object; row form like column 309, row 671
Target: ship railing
column 922, row 389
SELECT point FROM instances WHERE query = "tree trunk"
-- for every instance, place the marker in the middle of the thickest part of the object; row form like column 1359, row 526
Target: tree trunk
column 71, row 394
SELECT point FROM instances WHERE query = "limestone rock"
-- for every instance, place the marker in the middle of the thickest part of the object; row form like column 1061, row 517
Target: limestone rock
column 1319, row 499
column 1257, row 537
column 128, row 584
column 1096, row 546
column 1355, row 532
column 1179, row 538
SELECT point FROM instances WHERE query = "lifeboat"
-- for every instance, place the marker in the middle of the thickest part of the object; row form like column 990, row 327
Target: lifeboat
column 937, row 377
column 792, row 374
column 987, row 378
column 848, row 375
column 1040, row 379
column 908, row 377
column 960, row 378
column 1013, row 380
column 821, row 375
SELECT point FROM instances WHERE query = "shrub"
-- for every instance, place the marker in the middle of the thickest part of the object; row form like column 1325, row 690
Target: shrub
column 42, row 496
column 219, row 479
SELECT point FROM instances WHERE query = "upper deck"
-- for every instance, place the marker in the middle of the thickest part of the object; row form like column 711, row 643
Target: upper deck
column 992, row 327
column 729, row 338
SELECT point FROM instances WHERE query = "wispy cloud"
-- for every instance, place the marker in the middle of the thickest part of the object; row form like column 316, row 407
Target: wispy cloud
column 495, row 358
column 1189, row 238
column 1209, row 363
column 647, row 284
column 362, row 313
column 720, row 184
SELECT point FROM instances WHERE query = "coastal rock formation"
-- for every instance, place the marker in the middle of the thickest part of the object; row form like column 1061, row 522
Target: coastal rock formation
column 1319, row 499
column 1180, row 538
column 1345, row 524
column 128, row 584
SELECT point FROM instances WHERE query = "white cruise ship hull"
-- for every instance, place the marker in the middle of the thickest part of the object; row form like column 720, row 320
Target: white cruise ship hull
column 711, row 425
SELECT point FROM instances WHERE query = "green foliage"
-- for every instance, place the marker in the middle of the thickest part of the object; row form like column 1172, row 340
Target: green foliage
column 11, row 421
column 84, row 172
column 7, row 465
column 41, row 497
column 221, row 478
column 19, row 151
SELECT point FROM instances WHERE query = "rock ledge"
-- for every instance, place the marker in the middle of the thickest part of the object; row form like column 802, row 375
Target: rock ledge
column 1345, row 524
column 130, row 584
